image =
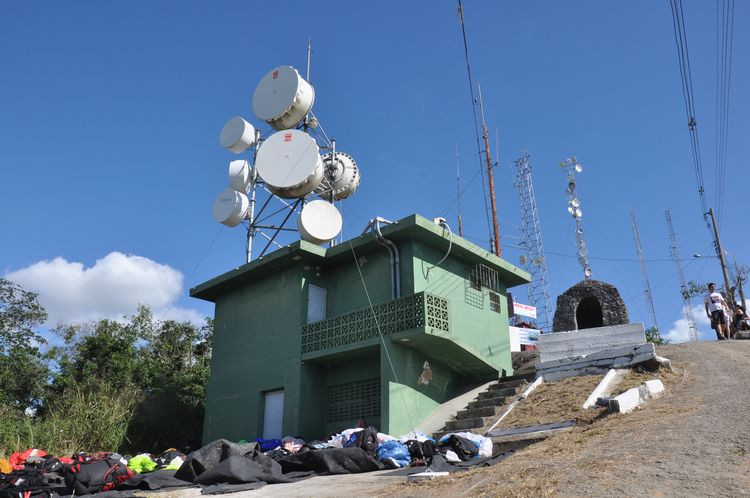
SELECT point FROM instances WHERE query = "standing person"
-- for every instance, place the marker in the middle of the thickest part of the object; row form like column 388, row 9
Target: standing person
column 715, row 307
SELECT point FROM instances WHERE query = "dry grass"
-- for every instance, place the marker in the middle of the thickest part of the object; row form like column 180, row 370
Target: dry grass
column 554, row 402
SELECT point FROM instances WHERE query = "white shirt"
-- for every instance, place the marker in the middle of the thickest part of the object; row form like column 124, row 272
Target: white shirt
column 714, row 302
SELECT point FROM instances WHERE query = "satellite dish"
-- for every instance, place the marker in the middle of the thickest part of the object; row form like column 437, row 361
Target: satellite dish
column 319, row 222
column 240, row 175
column 230, row 207
column 523, row 259
column 340, row 178
column 283, row 98
column 582, row 252
column 237, row 135
column 575, row 203
column 579, row 230
column 538, row 260
column 571, row 187
column 571, row 210
column 579, row 213
column 290, row 164
column 587, row 272
column 578, row 168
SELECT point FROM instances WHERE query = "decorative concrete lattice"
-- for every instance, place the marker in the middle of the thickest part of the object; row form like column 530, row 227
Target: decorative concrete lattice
column 353, row 400
column 393, row 316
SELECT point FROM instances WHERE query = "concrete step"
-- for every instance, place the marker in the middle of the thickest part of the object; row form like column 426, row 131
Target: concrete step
column 466, row 424
column 482, row 402
column 484, row 411
column 506, row 382
column 496, row 393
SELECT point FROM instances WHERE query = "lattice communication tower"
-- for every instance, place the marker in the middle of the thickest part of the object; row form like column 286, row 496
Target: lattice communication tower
column 674, row 250
column 646, row 286
column 532, row 258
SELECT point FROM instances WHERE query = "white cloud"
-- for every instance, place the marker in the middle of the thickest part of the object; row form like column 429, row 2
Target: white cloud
column 112, row 288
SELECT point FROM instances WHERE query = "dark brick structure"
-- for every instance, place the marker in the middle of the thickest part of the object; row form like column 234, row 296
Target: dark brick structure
column 589, row 304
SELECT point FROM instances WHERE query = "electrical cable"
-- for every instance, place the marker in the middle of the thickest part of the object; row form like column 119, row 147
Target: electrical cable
column 444, row 224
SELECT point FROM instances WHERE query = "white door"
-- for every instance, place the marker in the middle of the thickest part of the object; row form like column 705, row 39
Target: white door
column 273, row 414
column 316, row 303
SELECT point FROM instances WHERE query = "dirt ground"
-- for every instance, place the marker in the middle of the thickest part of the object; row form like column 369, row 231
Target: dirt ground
column 693, row 441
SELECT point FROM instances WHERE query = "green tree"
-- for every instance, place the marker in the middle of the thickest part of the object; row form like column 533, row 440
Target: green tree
column 23, row 371
column 653, row 336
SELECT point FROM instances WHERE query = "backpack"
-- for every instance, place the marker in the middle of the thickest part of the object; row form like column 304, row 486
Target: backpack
column 464, row 448
column 27, row 483
column 86, row 478
column 367, row 439
column 422, row 451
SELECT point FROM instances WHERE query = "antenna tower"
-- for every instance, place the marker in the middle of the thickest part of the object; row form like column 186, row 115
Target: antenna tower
column 687, row 307
column 533, row 259
column 572, row 166
column 644, row 274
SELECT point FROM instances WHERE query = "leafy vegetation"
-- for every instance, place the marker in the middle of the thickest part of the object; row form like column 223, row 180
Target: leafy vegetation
column 653, row 336
column 131, row 385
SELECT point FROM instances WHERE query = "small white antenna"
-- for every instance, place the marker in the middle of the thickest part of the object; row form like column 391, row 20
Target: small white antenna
column 458, row 194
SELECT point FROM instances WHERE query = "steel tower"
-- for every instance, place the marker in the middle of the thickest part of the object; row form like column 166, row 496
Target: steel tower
column 571, row 167
column 687, row 306
column 646, row 286
column 532, row 258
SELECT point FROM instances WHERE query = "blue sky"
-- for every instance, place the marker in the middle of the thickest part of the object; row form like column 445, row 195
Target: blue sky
column 110, row 114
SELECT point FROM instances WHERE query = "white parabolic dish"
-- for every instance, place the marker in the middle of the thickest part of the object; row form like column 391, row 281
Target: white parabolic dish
column 283, row 98
column 239, row 175
column 230, row 208
column 289, row 162
column 319, row 222
column 237, row 135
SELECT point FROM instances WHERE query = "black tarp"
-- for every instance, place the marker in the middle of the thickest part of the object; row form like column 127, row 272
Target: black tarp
column 332, row 461
column 440, row 464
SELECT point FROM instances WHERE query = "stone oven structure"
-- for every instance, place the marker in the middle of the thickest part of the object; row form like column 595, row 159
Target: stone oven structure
column 589, row 304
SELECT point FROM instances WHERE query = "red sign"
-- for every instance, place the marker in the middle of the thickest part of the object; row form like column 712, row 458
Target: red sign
column 287, row 137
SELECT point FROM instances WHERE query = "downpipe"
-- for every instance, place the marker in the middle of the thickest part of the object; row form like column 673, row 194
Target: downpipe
column 374, row 225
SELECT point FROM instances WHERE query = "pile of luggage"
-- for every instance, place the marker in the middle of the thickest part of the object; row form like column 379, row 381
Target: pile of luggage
column 223, row 465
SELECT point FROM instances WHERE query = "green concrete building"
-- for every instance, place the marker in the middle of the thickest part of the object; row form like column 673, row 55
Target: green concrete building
column 296, row 344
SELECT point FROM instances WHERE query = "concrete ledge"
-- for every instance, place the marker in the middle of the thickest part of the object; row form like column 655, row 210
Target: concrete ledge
column 599, row 362
column 579, row 343
column 635, row 397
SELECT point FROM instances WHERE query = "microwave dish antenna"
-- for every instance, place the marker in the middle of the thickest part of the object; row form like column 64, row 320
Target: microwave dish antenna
column 283, row 98
column 341, row 177
column 230, row 208
column 237, row 135
column 240, row 175
column 289, row 162
column 523, row 259
column 538, row 260
column 319, row 222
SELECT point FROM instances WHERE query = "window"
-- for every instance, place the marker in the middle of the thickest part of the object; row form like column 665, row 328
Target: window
column 273, row 414
column 495, row 302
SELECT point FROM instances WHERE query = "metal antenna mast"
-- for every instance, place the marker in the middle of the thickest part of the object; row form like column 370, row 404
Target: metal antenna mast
column 674, row 250
column 572, row 166
column 458, row 194
column 533, row 258
column 644, row 274
column 490, row 177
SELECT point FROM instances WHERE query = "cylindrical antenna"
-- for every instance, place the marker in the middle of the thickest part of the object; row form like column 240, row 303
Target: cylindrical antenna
column 309, row 50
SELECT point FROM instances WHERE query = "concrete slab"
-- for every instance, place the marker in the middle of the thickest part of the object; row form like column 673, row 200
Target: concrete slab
column 558, row 345
column 448, row 410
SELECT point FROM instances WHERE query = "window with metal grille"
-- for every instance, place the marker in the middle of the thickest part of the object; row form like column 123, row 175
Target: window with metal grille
column 353, row 400
column 484, row 276
column 495, row 302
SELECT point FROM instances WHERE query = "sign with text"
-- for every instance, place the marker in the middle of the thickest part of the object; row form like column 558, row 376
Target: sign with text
column 524, row 310
column 528, row 337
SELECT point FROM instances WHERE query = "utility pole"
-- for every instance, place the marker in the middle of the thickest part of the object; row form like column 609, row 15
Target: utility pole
column 740, row 277
column 490, row 176
column 720, row 253
column 674, row 250
column 644, row 275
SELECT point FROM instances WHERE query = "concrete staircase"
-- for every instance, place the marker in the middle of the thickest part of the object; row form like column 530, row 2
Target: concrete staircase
column 488, row 405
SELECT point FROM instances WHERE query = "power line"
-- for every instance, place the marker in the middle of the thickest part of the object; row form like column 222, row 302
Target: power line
column 724, row 36
column 683, row 58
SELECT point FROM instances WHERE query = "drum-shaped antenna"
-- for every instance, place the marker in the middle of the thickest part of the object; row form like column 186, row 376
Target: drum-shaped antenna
column 290, row 164
column 283, row 98
column 240, row 175
column 230, row 208
column 340, row 178
column 319, row 222
column 237, row 135
column 523, row 259
column 538, row 260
